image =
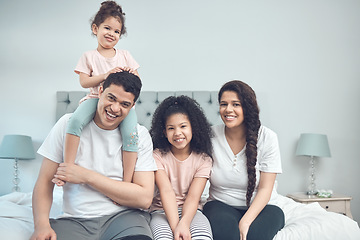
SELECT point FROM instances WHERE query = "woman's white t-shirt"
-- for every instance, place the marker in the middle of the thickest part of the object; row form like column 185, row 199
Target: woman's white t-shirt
column 228, row 180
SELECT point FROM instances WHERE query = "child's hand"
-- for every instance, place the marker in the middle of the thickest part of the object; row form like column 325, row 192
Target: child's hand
column 120, row 69
column 58, row 182
column 182, row 232
column 114, row 70
column 130, row 70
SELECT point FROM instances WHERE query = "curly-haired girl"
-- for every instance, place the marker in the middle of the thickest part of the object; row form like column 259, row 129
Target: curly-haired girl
column 93, row 68
column 246, row 162
column 181, row 136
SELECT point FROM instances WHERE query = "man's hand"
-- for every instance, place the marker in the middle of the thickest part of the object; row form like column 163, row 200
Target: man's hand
column 72, row 173
column 44, row 233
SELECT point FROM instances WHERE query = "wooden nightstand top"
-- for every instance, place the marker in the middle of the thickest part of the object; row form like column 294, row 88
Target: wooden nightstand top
column 303, row 197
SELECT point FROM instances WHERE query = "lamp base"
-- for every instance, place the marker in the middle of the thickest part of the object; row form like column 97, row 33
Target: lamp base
column 312, row 185
column 16, row 179
column 312, row 192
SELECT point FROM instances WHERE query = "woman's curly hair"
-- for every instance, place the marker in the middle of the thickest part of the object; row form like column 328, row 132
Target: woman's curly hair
column 252, row 122
column 110, row 9
column 201, row 129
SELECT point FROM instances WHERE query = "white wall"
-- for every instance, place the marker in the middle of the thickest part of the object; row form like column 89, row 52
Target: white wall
column 301, row 57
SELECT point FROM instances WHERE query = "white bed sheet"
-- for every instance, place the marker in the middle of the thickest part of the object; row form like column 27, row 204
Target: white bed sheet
column 311, row 221
column 301, row 221
column 16, row 220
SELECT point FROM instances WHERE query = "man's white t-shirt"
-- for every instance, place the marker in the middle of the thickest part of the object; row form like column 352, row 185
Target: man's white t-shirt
column 229, row 178
column 99, row 150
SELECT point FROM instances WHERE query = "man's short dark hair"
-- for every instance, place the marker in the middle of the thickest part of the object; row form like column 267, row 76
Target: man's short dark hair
column 130, row 82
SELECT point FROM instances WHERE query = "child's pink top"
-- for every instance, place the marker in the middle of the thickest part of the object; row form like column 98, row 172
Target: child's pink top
column 93, row 64
column 181, row 174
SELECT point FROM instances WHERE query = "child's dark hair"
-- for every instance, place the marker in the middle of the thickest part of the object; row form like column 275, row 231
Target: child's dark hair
column 201, row 129
column 130, row 82
column 252, row 123
column 110, row 9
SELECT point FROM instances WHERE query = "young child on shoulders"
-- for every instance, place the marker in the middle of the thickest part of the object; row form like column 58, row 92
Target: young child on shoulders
column 181, row 136
column 93, row 68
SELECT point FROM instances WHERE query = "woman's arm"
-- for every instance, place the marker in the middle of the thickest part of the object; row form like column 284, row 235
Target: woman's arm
column 262, row 198
column 190, row 207
column 168, row 198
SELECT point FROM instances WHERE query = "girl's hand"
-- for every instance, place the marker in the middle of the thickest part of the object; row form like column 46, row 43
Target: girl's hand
column 130, row 70
column 182, row 232
column 120, row 69
column 114, row 70
column 243, row 228
column 58, row 182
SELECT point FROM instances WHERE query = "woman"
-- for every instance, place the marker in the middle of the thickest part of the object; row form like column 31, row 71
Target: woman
column 246, row 162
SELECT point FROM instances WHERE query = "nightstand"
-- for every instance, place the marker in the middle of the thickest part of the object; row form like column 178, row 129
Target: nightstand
column 336, row 203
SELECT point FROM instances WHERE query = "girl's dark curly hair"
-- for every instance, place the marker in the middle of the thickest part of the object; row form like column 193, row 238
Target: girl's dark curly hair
column 109, row 9
column 201, row 129
column 252, row 122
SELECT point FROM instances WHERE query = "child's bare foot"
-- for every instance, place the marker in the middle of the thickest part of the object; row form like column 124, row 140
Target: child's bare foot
column 58, row 182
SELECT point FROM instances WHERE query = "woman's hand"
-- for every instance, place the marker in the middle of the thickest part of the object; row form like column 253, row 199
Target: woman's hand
column 243, row 228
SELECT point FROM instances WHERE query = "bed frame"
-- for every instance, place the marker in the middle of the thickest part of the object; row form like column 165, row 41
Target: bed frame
column 67, row 102
column 302, row 221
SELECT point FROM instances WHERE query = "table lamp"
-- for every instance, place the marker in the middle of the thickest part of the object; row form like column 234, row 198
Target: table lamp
column 17, row 147
column 313, row 145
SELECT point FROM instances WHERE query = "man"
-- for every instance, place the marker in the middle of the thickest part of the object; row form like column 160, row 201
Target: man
column 94, row 182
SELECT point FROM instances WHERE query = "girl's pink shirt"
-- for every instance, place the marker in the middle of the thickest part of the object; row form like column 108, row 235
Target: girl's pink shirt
column 93, row 63
column 181, row 174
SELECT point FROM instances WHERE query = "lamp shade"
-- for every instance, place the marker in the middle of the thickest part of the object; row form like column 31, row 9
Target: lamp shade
column 311, row 144
column 17, row 147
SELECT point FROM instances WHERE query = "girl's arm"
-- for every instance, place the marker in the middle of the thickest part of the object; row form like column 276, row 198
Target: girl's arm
column 190, row 207
column 168, row 199
column 87, row 82
column 262, row 198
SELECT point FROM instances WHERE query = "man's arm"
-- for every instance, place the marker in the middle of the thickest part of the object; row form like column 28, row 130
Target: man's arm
column 42, row 200
column 138, row 194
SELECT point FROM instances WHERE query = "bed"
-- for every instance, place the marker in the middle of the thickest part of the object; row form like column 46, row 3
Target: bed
column 302, row 221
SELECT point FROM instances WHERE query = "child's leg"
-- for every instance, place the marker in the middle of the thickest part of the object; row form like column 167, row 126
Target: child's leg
column 160, row 226
column 129, row 134
column 80, row 118
column 200, row 227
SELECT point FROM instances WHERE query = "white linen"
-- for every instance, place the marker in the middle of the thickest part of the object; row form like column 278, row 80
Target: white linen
column 313, row 222
column 16, row 219
column 301, row 221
